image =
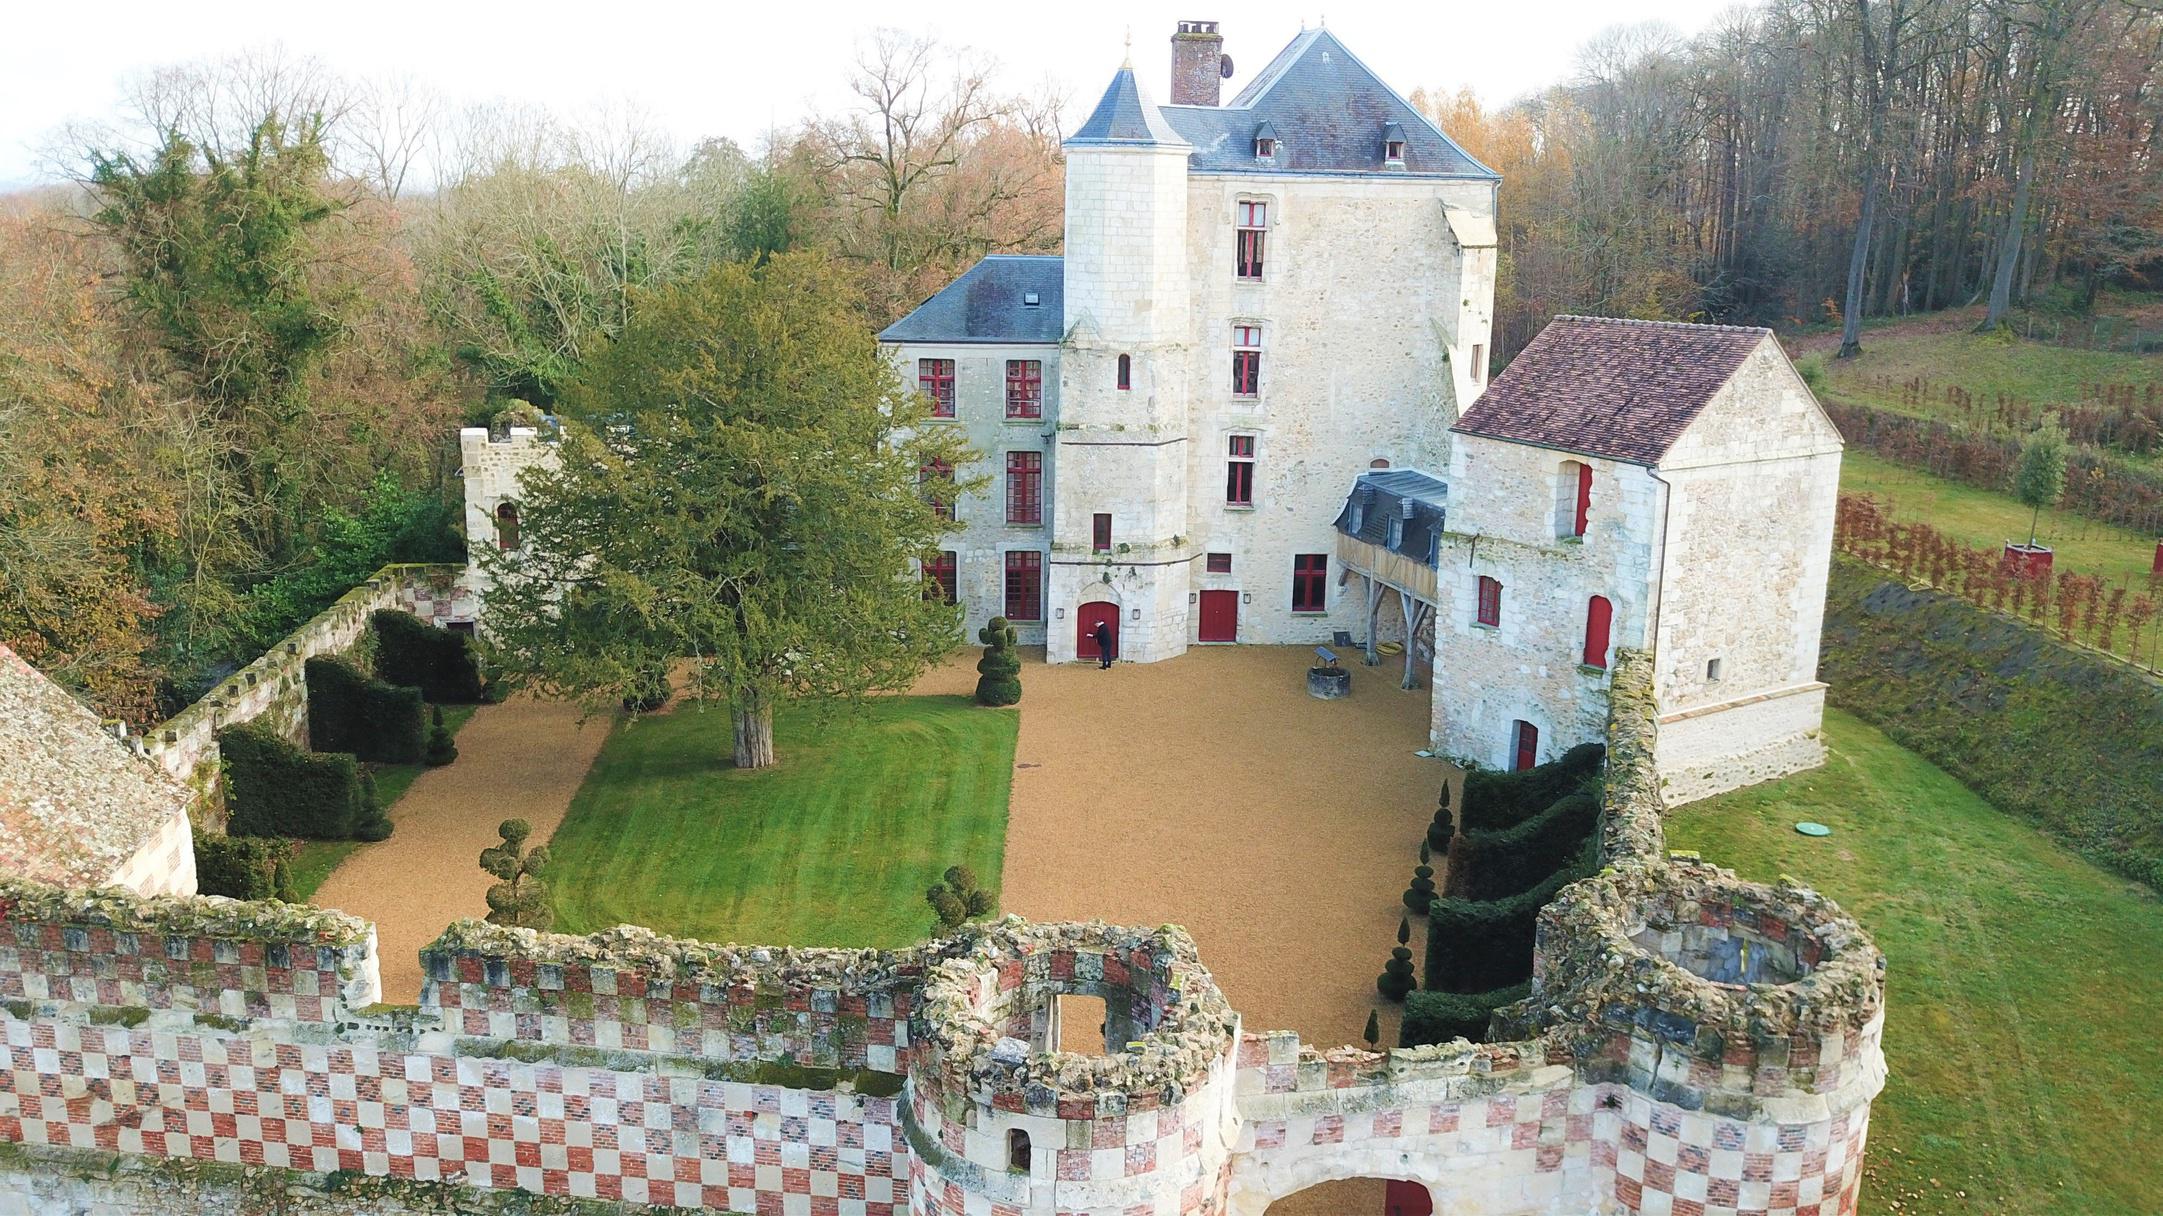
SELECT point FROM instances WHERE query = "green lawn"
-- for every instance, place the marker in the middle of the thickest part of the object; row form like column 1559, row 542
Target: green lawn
column 834, row 846
column 2025, row 990
column 1981, row 517
column 2033, row 372
column 313, row 860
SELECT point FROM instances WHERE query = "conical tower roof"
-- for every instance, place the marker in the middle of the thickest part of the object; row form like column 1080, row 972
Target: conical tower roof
column 1126, row 117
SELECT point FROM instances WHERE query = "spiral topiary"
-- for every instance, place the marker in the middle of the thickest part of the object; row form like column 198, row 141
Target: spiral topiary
column 999, row 671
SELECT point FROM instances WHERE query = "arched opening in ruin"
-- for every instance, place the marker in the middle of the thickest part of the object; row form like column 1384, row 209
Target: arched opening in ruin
column 1081, row 1025
column 507, row 526
column 1357, row 1197
column 1017, row 1151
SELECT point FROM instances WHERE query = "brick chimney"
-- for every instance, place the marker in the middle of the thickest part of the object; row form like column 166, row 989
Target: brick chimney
column 1199, row 65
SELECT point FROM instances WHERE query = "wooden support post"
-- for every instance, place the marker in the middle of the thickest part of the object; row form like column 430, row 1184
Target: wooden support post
column 1372, row 611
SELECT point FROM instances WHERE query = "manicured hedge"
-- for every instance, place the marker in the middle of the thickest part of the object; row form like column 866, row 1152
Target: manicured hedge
column 1438, row 1017
column 273, row 788
column 439, row 662
column 1474, row 945
column 1496, row 799
column 243, row 867
column 1499, row 862
column 373, row 719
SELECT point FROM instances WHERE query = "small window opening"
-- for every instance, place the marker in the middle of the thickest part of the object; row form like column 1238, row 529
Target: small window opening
column 1126, row 372
column 1712, row 669
column 507, row 526
column 1394, row 150
column 1085, row 1025
column 1220, row 563
column 1030, row 299
column 1100, row 536
column 1379, row 462
column 1265, row 148
column 1490, row 601
column 1017, row 1151
column 1479, row 363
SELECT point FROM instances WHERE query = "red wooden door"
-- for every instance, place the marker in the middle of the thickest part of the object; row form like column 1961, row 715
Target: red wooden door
column 1220, row 616
column 1403, row 1198
column 1085, row 624
column 1528, row 745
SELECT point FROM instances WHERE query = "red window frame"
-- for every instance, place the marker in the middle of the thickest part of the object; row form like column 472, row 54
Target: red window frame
column 1599, row 623
column 1024, row 585
column 1239, row 471
column 1584, row 499
column 1246, row 360
column 932, row 472
column 1219, row 563
column 1024, row 388
column 1126, row 372
column 1253, row 236
column 1490, row 610
column 1025, row 487
column 939, row 575
column 935, row 377
column 1310, row 582
column 1100, row 533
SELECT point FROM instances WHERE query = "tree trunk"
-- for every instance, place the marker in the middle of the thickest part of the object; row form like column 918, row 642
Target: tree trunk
column 1851, row 321
column 2001, row 284
column 754, row 719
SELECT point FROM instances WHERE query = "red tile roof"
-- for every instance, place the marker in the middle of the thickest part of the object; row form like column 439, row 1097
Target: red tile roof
column 1605, row 386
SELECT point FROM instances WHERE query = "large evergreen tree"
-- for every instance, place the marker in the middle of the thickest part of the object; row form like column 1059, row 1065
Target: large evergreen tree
column 740, row 485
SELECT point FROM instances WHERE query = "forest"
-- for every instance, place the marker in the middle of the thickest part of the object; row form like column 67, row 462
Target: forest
column 237, row 345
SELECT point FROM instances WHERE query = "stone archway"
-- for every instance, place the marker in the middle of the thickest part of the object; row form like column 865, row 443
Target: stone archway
column 1332, row 1180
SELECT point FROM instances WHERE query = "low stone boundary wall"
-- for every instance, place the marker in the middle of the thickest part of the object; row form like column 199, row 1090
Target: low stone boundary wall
column 274, row 686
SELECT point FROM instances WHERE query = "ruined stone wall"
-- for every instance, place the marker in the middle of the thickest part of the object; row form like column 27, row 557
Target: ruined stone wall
column 274, row 688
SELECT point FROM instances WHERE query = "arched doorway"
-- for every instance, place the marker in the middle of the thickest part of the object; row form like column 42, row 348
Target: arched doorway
column 1085, row 628
column 1357, row 1197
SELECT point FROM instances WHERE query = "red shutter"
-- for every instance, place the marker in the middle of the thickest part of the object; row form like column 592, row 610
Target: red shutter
column 1528, row 745
column 1490, row 601
column 1584, row 497
column 1599, row 616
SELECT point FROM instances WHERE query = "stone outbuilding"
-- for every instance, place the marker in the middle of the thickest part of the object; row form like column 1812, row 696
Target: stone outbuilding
column 1649, row 485
column 78, row 806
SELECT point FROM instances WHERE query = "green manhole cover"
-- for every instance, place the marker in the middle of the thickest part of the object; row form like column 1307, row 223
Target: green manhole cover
column 1808, row 828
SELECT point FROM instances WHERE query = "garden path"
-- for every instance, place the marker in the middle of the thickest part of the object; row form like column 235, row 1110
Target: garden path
column 522, row 759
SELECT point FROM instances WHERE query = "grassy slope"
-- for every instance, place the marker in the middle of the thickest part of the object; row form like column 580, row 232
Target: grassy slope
column 2035, row 372
column 313, row 860
column 2025, row 986
column 832, row 847
column 1980, row 517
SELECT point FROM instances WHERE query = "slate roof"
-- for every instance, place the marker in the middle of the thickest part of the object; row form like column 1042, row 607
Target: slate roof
column 1381, row 495
column 75, row 803
column 1125, row 115
column 988, row 303
column 1329, row 111
column 1604, row 386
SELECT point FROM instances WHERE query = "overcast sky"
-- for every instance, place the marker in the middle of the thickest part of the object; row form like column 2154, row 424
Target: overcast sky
column 706, row 68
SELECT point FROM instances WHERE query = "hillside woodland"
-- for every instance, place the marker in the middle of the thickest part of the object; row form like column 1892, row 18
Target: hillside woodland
column 236, row 348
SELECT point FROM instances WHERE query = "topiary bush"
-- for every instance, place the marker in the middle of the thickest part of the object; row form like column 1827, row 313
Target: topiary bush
column 273, row 788
column 1497, row 799
column 374, row 821
column 1421, row 893
column 999, row 671
column 1444, row 828
column 243, row 867
column 1474, row 945
column 1396, row 978
column 373, row 719
column 959, row 898
column 441, row 748
column 1438, row 1017
column 1498, row 862
column 442, row 663
column 519, row 896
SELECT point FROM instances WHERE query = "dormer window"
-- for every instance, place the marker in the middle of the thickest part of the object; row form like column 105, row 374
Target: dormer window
column 1265, row 148
column 1393, row 144
column 1030, row 299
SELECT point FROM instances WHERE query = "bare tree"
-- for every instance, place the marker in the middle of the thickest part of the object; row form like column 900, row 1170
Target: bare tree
column 392, row 128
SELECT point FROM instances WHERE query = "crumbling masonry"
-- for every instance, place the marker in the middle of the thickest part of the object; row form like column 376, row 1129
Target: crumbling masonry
column 1693, row 1044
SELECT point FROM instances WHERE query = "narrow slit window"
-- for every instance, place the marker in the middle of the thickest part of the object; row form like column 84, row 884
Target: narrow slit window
column 1100, row 533
column 507, row 526
column 1126, row 372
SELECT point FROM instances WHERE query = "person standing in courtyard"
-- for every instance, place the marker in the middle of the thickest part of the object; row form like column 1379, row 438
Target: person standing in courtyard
column 1103, row 637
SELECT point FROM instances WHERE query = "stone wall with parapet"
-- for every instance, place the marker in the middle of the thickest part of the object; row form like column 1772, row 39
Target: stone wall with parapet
column 1693, row 1044
column 274, row 689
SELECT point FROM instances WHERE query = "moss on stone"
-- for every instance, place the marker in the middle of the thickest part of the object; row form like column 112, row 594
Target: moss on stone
column 119, row 1015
